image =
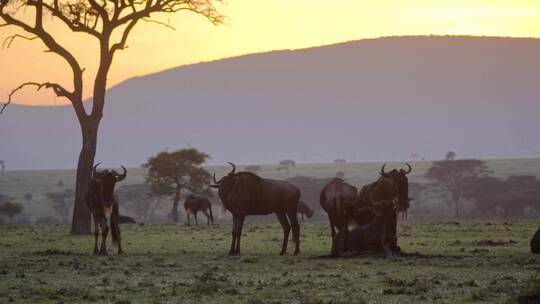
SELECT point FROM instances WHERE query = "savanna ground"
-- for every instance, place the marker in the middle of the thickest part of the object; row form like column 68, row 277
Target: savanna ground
column 449, row 262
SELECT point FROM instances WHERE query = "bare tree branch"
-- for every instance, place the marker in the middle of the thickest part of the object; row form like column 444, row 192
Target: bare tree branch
column 9, row 40
column 58, row 90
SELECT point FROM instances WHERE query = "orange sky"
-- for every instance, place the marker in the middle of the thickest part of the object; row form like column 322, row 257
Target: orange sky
column 257, row 26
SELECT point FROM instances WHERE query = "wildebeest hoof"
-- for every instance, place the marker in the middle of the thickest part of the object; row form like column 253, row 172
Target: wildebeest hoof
column 296, row 252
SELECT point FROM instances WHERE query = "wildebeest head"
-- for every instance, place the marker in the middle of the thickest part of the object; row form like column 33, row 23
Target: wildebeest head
column 402, row 183
column 105, row 181
column 225, row 184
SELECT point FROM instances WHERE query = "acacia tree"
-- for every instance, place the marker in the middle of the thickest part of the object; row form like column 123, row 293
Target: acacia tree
column 454, row 174
column 10, row 210
column 170, row 173
column 61, row 202
column 141, row 200
column 110, row 23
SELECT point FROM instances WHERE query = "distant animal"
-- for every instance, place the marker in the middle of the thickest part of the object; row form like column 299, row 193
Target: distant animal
column 103, row 205
column 340, row 161
column 304, row 210
column 390, row 186
column 245, row 193
column 193, row 204
column 287, row 163
column 337, row 199
column 535, row 242
column 375, row 236
column 123, row 219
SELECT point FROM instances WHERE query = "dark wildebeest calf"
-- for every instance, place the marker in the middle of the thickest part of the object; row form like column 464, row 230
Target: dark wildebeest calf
column 338, row 199
column 124, row 219
column 245, row 193
column 304, row 210
column 372, row 237
column 103, row 204
column 193, row 204
column 393, row 185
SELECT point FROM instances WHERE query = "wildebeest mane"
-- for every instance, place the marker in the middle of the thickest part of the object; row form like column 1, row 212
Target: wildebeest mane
column 246, row 187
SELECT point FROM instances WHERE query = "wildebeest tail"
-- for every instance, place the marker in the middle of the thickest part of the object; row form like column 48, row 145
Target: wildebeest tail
column 115, row 221
column 210, row 211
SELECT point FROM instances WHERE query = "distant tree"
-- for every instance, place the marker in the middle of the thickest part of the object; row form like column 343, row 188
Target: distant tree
column 340, row 174
column 141, row 200
column 253, row 168
column 514, row 197
column 10, row 210
column 450, row 155
column 340, row 161
column 2, row 166
column 28, row 197
column 287, row 163
column 105, row 23
column 61, row 202
column 453, row 175
column 60, row 183
column 170, row 173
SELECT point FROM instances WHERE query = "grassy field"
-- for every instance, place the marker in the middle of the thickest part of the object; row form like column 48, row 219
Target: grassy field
column 16, row 183
column 449, row 262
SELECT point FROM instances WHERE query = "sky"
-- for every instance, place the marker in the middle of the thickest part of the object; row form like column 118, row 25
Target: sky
column 253, row 26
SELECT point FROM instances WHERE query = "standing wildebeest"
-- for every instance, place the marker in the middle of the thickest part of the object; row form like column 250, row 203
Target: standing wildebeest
column 303, row 209
column 337, row 199
column 374, row 236
column 103, row 204
column 245, row 193
column 193, row 204
column 391, row 185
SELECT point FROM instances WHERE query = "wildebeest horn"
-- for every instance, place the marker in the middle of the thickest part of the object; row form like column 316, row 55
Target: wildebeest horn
column 94, row 170
column 410, row 169
column 382, row 171
column 214, row 177
column 233, row 168
column 123, row 175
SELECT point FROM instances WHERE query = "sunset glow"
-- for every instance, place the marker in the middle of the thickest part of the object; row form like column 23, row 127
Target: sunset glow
column 258, row 26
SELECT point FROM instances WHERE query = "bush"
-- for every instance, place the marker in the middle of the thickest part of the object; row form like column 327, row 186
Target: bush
column 47, row 220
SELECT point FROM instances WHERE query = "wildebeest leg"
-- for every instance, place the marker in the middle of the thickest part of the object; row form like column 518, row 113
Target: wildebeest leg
column 187, row 215
column 286, row 229
column 293, row 219
column 332, row 229
column 234, row 232
column 96, row 235
column 104, row 233
column 195, row 215
column 239, row 235
column 207, row 217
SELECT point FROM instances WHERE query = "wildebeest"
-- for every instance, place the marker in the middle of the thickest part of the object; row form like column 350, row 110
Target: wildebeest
column 337, row 199
column 304, row 210
column 123, row 219
column 246, row 193
column 390, row 186
column 374, row 236
column 535, row 242
column 193, row 204
column 103, row 204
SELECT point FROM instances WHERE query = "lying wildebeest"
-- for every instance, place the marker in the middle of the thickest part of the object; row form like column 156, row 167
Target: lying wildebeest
column 123, row 219
column 372, row 237
column 390, row 186
column 338, row 199
column 103, row 204
column 245, row 193
column 304, row 210
column 193, row 204
column 535, row 242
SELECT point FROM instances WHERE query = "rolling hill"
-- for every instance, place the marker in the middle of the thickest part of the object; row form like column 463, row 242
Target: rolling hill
column 376, row 99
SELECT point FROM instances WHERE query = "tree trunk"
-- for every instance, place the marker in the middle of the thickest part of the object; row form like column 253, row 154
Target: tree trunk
column 175, row 216
column 457, row 204
column 81, row 223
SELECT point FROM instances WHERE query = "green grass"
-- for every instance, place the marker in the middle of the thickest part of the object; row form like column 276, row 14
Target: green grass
column 16, row 183
column 457, row 262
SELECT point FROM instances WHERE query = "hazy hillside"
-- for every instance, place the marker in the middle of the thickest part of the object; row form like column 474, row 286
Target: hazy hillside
column 363, row 100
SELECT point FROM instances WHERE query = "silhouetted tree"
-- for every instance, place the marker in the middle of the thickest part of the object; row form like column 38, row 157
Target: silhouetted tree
column 61, row 202
column 110, row 24
column 10, row 210
column 60, row 183
column 253, row 168
column 450, row 155
column 171, row 173
column 453, row 174
column 287, row 163
column 2, row 167
column 141, row 200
